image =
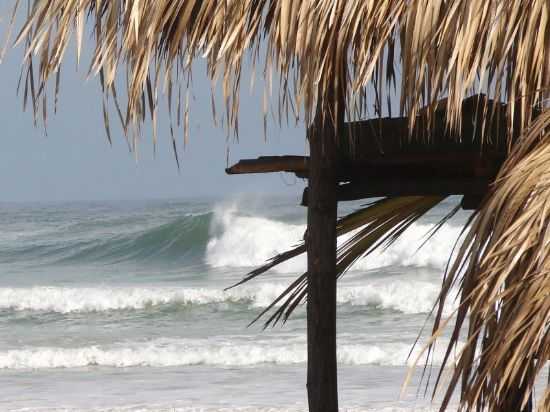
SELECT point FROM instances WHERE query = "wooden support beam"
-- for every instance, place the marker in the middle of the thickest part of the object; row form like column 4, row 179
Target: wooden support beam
column 382, row 157
column 322, row 384
column 270, row 164
column 320, row 239
column 441, row 164
column 412, row 187
column 368, row 139
column 471, row 201
column 473, row 187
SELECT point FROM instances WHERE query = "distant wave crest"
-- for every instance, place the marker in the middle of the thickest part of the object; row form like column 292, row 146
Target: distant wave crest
column 172, row 408
column 182, row 239
column 186, row 352
column 404, row 296
column 240, row 241
column 221, row 238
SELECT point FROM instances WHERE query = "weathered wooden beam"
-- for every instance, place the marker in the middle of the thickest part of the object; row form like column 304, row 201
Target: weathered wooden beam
column 418, row 166
column 412, row 187
column 321, row 245
column 445, row 164
column 474, row 188
column 471, row 201
column 270, row 164
column 322, row 382
column 368, row 139
column 383, row 157
column 388, row 147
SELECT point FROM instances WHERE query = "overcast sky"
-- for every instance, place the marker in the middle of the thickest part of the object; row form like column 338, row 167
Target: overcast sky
column 75, row 162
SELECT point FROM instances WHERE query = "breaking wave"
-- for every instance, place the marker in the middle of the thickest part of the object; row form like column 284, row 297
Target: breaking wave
column 187, row 352
column 170, row 408
column 239, row 241
column 181, row 239
column 404, row 296
column 174, row 408
column 222, row 238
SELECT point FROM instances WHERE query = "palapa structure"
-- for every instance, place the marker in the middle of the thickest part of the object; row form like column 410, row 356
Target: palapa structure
column 338, row 62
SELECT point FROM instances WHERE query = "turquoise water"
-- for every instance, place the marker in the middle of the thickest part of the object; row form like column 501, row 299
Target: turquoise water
column 120, row 307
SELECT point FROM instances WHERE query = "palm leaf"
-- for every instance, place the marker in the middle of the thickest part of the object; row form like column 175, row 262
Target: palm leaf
column 503, row 272
column 442, row 48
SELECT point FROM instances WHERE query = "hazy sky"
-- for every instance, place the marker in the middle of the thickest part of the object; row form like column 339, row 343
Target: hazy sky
column 75, row 162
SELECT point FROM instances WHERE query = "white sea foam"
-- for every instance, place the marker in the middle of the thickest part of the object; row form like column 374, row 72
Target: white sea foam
column 95, row 299
column 243, row 241
column 406, row 296
column 239, row 241
column 233, row 352
column 173, row 408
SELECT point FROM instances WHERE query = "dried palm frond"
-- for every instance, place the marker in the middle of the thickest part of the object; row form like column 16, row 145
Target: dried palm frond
column 544, row 402
column 376, row 225
column 503, row 271
column 443, row 48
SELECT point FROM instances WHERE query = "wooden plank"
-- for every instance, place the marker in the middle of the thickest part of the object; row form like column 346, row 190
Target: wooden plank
column 412, row 187
column 442, row 165
column 377, row 145
column 382, row 157
column 369, row 139
column 471, row 201
column 474, row 188
column 271, row 164
column 446, row 164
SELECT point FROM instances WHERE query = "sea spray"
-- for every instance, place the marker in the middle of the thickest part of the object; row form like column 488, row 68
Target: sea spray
column 223, row 237
column 245, row 241
column 249, row 241
column 156, row 407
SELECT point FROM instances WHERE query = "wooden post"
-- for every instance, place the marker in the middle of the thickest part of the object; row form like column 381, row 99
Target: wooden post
column 322, row 370
column 321, row 251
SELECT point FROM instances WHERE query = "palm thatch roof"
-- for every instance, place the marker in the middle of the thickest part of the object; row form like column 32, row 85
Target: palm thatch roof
column 442, row 48
column 419, row 51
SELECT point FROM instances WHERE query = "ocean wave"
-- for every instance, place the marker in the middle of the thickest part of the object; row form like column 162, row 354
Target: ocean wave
column 221, row 238
column 92, row 299
column 176, row 408
column 240, row 241
column 247, row 241
column 410, row 297
column 166, row 240
column 406, row 296
column 232, row 352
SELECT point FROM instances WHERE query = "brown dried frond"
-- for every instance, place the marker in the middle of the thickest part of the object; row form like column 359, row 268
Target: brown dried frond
column 503, row 270
column 545, row 402
column 450, row 48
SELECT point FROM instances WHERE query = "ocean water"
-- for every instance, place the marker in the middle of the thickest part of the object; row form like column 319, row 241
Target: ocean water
column 121, row 307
